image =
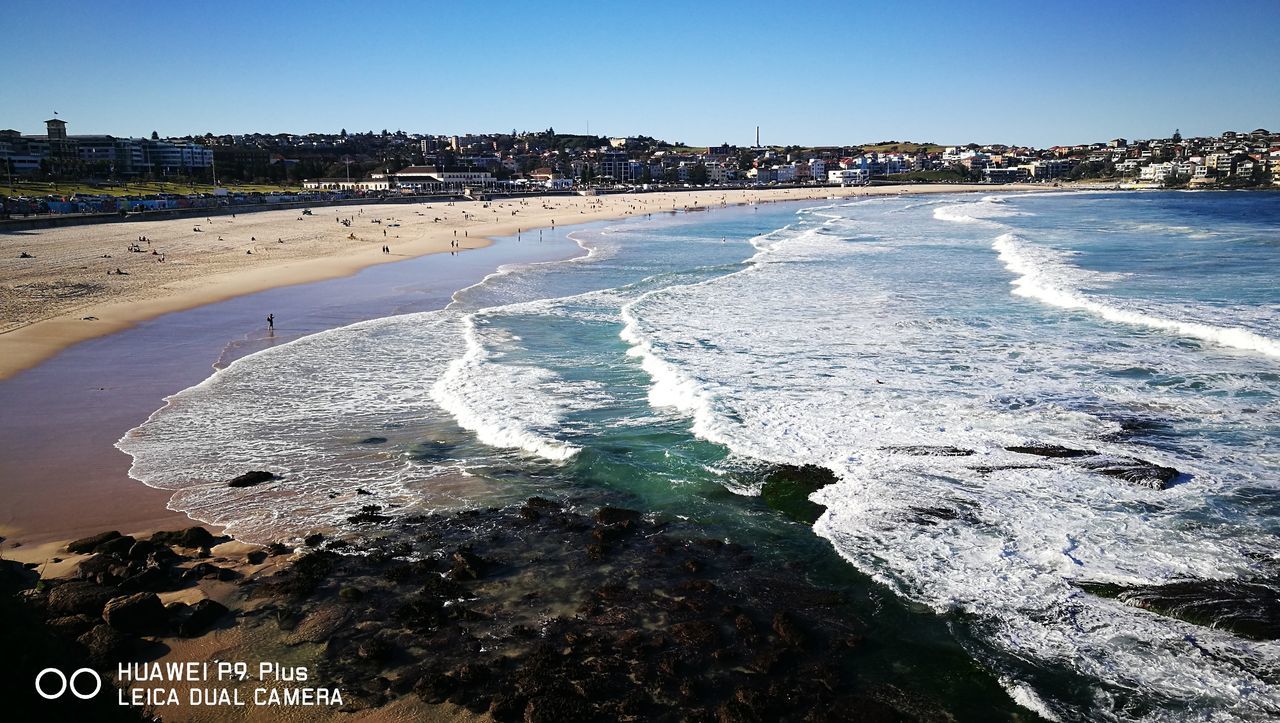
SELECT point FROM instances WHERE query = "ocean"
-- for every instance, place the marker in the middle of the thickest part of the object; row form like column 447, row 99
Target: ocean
column 905, row 344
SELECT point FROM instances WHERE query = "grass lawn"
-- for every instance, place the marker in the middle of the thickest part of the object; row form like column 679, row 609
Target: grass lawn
column 905, row 147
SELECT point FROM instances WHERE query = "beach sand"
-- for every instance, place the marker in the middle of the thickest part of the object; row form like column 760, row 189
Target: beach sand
column 69, row 292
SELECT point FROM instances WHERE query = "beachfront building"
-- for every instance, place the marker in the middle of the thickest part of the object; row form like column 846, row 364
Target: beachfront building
column 343, row 184
column 1044, row 170
column 431, row 179
column 1004, row 175
column 17, row 155
column 615, row 165
column 848, row 176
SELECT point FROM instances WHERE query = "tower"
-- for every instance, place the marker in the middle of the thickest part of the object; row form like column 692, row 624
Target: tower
column 757, row 136
column 56, row 129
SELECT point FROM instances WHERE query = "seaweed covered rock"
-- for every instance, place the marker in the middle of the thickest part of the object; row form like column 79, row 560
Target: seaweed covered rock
column 1135, row 471
column 251, row 479
column 1051, row 450
column 787, row 488
column 1249, row 609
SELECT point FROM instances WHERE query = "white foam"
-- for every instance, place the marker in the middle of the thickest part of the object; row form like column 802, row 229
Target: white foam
column 1042, row 277
column 504, row 405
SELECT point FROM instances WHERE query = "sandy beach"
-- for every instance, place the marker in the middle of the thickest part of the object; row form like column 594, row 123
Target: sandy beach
column 69, row 291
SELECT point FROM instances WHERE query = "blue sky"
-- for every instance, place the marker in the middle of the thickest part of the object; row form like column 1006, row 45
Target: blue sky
column 810, row 73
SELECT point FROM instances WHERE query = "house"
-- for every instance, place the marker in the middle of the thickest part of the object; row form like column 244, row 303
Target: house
column 848, row 176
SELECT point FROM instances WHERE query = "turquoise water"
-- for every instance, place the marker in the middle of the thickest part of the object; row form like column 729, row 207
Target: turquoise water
column 677, row 354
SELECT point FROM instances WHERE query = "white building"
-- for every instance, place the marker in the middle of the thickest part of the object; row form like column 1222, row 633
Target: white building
column 848, row 176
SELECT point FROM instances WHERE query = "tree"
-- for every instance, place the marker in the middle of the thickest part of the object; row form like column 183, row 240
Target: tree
column 698, row 175
column 343, row 133
column 155, row 136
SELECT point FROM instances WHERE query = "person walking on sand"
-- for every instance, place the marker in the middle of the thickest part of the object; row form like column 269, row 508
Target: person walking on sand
column 271, row 322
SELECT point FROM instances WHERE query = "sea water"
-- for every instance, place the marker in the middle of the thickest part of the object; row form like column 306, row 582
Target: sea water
column 676, row 353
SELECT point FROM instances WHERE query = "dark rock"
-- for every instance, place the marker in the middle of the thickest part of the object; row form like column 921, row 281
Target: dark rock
column 106, row 645
column 556, row 709
column 467, row 565
column 257, row 557
column 116, row 546
column 16, row 576
column 421, row 613
column 209, row 571
column 73, row 626
column 505, row 707
column 313, row 540
column 89, row 544
column 989, row 468
column 787, row 488
column 136, row 613
column 192, row 537
column 73, row 598
column 788, row 629
column 1136, row 471
column 933, row 515
column 616, row 515
column 1250, row 609
column 151, row 579
column 921, row 450
column 200, row 617
column 434, row 686
column 369, row 514
column 1051, row 450
column 363, row 491
column 697, row 634
column 251, row 479
column 374, row 440
column 142, row 549
column 100, row 569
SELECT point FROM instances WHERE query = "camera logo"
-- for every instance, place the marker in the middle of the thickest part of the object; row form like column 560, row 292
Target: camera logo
column 52, row 678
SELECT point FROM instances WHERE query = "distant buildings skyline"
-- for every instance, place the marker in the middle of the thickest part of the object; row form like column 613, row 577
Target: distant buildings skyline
column 398, row 161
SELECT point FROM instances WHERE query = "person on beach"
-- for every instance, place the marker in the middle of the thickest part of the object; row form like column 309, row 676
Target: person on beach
column 271, row 322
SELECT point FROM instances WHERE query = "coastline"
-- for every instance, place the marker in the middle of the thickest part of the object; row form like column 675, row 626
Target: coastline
column 201, row 273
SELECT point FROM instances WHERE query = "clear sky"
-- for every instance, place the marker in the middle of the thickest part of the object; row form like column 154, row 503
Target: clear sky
column 1038, row 72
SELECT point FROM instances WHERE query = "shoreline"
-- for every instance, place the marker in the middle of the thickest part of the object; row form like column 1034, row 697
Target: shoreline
column 28, row 343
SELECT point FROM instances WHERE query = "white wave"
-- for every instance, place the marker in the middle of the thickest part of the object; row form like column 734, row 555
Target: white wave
column 1026, row 696
column 298, row 410
column 976, row 212
column 1041, row 276
column 504, row 405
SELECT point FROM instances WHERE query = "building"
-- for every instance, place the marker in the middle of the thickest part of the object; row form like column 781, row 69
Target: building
column 110, row 155
column 848, row 176
column 176, row 158
column 433, row 179
column 342, row 184
column 615, row 165
column 1157, row 172
column 62, row 150
column 1044, row 170
column 1005, row 175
